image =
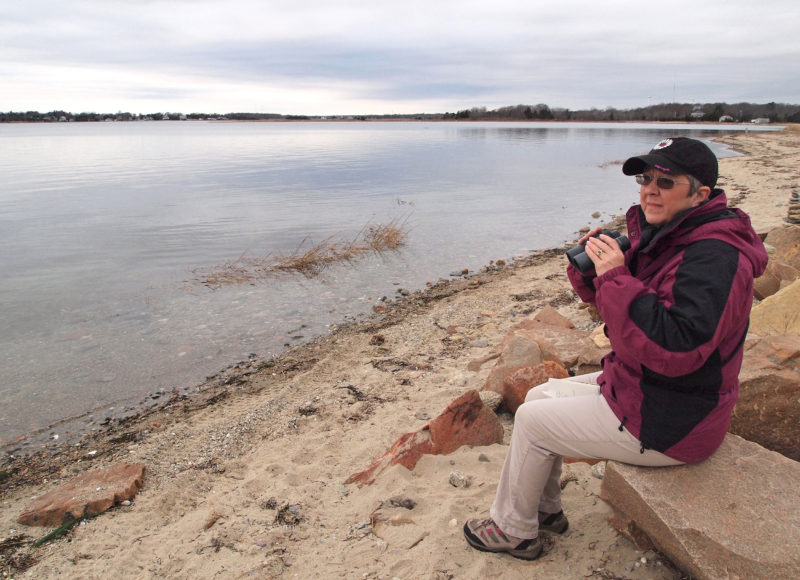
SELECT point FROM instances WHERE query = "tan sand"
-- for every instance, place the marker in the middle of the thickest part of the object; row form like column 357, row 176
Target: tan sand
column 251, row 486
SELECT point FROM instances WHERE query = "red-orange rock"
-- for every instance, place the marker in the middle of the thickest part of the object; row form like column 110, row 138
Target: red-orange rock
column 466, row 421
column 86, row 495
column 518, row 383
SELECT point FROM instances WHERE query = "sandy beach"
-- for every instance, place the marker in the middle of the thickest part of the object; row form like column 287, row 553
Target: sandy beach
column 246, row 479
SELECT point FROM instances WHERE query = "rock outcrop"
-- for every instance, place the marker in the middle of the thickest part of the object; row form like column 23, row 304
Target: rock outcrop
column 86, row 495
column 735, row 515
column 466, row 421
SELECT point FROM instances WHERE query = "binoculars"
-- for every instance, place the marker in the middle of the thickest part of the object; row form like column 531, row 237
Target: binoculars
column 583, row 263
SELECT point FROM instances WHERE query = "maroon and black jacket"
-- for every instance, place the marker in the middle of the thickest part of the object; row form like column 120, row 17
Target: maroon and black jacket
column 676, row 314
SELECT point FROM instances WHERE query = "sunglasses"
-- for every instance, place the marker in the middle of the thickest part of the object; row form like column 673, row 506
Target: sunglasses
column 661, row 182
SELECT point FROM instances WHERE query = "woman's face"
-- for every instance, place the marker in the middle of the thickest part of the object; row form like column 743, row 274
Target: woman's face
column 661, row 205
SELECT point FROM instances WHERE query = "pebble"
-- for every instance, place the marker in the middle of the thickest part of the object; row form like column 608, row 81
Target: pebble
column 460, row 479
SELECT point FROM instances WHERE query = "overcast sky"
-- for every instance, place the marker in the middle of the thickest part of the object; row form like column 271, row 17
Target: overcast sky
column 382, row 56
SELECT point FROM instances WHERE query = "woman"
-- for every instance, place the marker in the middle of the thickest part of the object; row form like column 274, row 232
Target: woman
column 676, row 307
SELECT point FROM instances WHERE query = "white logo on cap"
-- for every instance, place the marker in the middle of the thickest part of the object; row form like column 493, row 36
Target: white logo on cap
column 663, row 144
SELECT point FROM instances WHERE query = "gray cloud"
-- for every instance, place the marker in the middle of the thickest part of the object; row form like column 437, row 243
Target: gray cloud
column 353, row 55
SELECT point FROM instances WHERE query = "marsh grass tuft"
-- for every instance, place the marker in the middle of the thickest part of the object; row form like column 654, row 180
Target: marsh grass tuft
column 308, row 261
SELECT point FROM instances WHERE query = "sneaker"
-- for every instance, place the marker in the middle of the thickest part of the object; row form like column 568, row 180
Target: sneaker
column 484, row 535
column 555, row 523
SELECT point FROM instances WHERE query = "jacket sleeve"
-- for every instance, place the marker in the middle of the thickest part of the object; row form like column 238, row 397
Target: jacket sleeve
column 673, row 329
column 583, row 285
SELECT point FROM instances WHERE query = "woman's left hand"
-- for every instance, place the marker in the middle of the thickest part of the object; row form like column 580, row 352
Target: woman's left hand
column 605, row 253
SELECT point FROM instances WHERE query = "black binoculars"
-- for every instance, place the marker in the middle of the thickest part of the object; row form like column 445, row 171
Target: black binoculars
column 583, row 263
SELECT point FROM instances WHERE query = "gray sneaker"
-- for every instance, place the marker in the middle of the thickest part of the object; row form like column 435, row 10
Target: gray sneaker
column 555, row 523
column 484, row 535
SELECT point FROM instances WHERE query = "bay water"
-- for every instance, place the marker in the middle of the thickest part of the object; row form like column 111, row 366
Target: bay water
column 106, row 230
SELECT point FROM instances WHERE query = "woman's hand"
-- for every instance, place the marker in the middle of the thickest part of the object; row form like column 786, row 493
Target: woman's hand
column 603, row 251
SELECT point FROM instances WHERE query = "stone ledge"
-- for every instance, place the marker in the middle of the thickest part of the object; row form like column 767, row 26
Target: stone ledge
column 735, row 515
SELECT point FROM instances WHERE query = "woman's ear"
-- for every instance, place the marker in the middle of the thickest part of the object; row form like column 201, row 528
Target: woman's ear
column 701, row 195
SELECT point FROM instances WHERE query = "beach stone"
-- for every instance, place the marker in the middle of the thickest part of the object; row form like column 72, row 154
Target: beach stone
column 599, row 338
column 778, row 314
column 532, row 341
column 86, row 495
column 517, row 350
column 777, row 275
column 735, row 515
column 395, row 526
column 517, row 384
column 466, row 421
column 767, row 411
column 491, row 399
column 786, row 241
column 459, row 479
column 549, row 315
column 766, row 284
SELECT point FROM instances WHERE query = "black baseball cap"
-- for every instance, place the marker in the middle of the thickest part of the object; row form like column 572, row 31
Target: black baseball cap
column 678, row 156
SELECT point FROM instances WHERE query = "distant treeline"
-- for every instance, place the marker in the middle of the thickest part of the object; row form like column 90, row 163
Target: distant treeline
column 685, row 112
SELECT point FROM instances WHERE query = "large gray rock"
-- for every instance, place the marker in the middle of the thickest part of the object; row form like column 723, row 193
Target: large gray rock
column 735, row 515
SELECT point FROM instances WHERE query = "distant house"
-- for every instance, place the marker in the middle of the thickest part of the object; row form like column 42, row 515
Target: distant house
column 697, row 112
column 726, row 119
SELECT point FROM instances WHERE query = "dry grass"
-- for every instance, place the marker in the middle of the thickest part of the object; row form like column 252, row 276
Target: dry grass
column 373, row 238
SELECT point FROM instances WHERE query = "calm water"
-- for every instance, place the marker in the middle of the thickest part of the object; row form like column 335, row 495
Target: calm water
column 103, row 226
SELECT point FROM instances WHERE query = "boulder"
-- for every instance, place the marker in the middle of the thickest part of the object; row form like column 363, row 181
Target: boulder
column 532, row 341
column 517, row 350
column 766, row 284
column 517, row 384
column 466, row 421
column 786, row 242
column 86, row 495
column 767, row 411
column 598, row 336
column 778, row 314
column 777, row 275
column 735, row 515
column 549, row 315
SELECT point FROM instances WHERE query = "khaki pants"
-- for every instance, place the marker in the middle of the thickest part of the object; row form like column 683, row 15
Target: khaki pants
column 547, row 428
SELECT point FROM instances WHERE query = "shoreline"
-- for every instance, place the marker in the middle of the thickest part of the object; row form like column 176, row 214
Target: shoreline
column 295, row 426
